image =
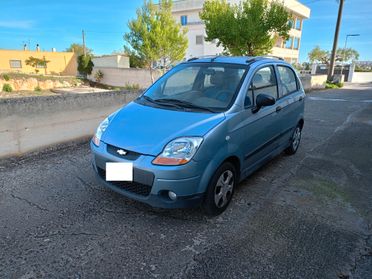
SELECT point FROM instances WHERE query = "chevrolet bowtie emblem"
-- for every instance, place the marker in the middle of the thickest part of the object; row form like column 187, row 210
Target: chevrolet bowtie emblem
column 121, row 152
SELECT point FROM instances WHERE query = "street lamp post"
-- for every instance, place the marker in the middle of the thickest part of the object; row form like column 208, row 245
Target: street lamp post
column 344, row 56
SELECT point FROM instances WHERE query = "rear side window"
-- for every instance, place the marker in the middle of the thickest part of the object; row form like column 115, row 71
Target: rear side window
column 288, row 80
column 264, row 82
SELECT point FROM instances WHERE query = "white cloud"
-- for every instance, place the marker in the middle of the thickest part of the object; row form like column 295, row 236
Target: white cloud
column 17, row 24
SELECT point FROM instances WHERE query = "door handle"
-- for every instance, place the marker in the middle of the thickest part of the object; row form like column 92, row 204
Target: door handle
column 278, row 108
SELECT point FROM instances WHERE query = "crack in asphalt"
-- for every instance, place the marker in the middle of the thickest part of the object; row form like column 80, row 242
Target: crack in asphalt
column 29, row 202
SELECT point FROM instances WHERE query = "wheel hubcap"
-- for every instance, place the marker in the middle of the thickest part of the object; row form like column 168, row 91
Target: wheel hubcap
column 296, row 138
column 224, row 188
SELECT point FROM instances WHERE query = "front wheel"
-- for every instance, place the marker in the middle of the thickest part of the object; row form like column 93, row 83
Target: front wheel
column 295, row 141
column 220, row 189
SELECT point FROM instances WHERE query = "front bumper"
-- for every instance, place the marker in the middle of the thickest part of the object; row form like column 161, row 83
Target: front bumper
column 151, row 183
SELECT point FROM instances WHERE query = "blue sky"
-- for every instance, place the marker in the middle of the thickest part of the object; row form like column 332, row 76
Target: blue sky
column 59, row 23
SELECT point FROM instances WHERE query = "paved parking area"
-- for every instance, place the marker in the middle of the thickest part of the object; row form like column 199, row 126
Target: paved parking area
column 305, row 216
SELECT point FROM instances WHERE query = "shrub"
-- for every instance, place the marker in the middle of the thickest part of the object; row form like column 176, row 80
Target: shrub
column 336, row 85
column 37, row 89
column 133, row 86
column 98, row 76
column 85, row 65
column 7, row 88
column 6, row 77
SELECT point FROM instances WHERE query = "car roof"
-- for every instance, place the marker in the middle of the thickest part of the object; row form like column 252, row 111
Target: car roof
column 240, row 60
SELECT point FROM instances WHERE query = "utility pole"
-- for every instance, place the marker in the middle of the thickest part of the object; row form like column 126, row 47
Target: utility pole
column 84, row 49
column 331, row 69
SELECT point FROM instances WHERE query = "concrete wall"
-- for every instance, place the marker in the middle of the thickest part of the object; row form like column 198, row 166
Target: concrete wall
column 123, row 77
column 28, row 124
column 111, row 61
column 361, row 77
column 310, row 82
column 63, row 63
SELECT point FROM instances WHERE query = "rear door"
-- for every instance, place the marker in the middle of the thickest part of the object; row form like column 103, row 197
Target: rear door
column 290, row 103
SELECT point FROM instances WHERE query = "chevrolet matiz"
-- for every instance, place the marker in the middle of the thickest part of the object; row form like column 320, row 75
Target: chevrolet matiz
column 200, row 129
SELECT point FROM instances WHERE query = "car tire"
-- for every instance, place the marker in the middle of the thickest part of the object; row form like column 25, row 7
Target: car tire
column 220, row 189
column 294, row 141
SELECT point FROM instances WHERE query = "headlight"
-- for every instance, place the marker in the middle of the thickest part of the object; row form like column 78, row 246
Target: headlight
column 100, row 130
column 179, row 151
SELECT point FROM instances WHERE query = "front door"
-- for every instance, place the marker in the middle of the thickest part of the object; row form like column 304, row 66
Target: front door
column 259, row 129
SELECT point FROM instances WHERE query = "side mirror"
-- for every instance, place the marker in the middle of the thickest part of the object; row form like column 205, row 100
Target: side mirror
column 263, row 100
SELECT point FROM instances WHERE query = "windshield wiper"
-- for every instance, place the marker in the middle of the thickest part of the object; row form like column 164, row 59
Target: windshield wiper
column 161, row 103
column 184, row 104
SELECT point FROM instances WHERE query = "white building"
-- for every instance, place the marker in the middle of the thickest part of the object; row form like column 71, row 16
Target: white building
column 111, row 61
column 186, row 12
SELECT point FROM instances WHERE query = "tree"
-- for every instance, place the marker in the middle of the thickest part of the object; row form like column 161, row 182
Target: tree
column 155, row 37
column 319, row 55
column 79, row 49
column 85, row 64
column 347, row 54
column 37, row 63
column 324, row 56
column 247, row 28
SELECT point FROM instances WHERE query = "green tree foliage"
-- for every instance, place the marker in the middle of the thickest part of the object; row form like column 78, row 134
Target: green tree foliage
column 318, row 55
column 347, row 54
column 37, row 63
column 78, row 49
column 85, row 64
column 246, row 28
column 135, row 61
column 155, row 37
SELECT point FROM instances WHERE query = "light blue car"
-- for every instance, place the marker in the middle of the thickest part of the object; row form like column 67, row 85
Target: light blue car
column 199, row 130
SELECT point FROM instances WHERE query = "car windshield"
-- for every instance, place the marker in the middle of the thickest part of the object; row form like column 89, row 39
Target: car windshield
column 207, row 87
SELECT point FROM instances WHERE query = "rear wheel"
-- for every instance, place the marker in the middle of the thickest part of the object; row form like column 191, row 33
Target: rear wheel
column 220, row 189
column 295, row 141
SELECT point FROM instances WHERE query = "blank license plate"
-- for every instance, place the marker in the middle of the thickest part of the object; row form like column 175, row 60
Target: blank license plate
column 119, row 171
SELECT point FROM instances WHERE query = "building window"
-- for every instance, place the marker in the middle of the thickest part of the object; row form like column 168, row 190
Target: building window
column 296, row 44
column 298, row 24
column 288, row 43
column 199, row 39
column 292, row 23
column 184, row 20
column 15, row 63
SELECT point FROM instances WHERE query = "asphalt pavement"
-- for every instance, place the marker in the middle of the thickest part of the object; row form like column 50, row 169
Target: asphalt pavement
column 302, row 216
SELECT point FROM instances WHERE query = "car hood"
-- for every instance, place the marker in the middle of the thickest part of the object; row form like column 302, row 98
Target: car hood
column 147, row 130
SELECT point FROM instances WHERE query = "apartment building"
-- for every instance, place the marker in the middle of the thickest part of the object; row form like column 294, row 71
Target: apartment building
column 186, row 12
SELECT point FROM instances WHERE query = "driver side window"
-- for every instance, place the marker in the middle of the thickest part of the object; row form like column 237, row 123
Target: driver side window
column 264, row 82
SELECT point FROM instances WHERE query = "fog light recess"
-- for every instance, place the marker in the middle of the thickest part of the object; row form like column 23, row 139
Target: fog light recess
column 172, row 195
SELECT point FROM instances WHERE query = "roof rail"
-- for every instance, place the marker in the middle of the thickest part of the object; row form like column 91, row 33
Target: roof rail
column 257, row 58
column 212, row 57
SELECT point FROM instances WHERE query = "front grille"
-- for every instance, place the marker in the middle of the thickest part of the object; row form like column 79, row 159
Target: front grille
column 133, row 187
column 130, row 155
